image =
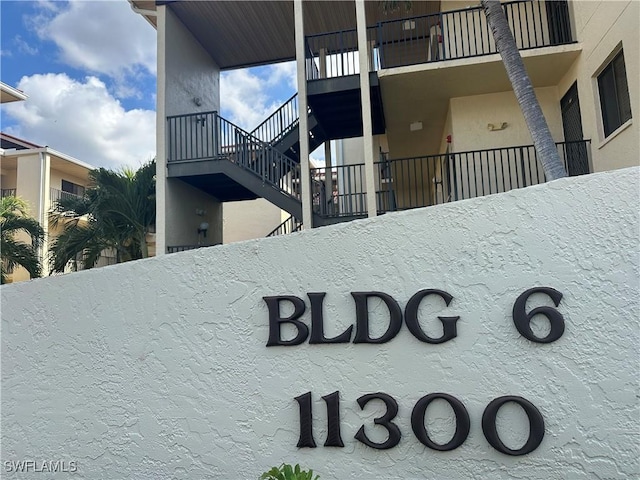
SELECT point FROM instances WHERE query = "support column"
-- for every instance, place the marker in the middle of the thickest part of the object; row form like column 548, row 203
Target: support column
column 45, row 207
column 303, row 125
column 365, row 97
column 161, row 156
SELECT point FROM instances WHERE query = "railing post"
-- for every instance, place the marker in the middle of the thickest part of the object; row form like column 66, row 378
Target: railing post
column 216, row 135
column 522, row 172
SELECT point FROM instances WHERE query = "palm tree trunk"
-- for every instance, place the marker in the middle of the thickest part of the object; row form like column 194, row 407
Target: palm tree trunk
column 143, row 244
column 523, row 89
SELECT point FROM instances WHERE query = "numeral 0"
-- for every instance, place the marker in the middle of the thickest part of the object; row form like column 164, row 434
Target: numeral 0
column 463, row 422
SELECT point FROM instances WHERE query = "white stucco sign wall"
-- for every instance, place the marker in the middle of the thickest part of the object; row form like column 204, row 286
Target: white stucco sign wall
column 161, row 369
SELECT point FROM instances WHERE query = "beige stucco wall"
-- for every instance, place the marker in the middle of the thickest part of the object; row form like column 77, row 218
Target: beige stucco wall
column 249, row 219
column 57, row 176
column 31, row 178
column 470, row 117
column 602, row 27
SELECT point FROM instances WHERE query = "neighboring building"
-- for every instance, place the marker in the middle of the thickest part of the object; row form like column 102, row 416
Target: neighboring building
column 10, row 94
column 40, row 176
column 441, row 122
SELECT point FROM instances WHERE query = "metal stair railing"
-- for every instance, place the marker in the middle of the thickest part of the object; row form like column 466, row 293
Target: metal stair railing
column 207, row 135
column 258, row 157
column 279, row 123
column 290, row 225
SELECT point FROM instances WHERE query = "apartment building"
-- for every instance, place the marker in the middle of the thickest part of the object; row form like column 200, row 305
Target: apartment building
column 434, row 120
column 40, row 176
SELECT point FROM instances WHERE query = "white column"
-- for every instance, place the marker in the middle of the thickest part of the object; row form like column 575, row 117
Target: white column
column 303, row 126
column 45, row 207
column 365, row 96
column 161, row 156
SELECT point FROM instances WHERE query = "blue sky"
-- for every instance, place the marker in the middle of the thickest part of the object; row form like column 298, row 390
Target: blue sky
column 88, row 68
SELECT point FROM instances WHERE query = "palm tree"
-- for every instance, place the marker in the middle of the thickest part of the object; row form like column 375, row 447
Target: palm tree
column 523, row 89
column 116, row 213
column 13, row 220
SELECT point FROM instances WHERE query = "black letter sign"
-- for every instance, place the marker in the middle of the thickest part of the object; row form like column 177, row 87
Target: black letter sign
column 362, row 317
column 275, row 320
column 536, row 425
column 522, row 319
column 385, row 421
column 306, row 425
column 317, row 322
column 411, row 317
column 463, row 422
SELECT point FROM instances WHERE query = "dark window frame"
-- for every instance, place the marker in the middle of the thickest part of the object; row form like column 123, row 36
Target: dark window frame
column 613, row 90
column 74, row 188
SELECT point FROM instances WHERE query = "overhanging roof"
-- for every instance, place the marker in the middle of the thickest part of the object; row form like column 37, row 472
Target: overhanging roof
column 10, row 94
column 242, row 33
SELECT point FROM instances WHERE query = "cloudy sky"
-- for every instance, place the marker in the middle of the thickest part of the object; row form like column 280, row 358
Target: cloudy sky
column 89, row 70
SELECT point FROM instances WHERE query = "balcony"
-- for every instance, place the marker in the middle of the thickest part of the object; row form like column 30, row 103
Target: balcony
column 57, row 195
column 407, row 183
column 8, row 192
column 448, row 35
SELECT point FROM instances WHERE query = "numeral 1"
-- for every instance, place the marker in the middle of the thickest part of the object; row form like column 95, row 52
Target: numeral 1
column 334, row 439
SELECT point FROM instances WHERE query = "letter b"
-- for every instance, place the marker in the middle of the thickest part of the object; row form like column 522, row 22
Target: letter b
column 276, row 321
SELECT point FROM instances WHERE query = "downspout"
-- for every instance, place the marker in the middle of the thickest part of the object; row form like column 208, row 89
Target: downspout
column 41, row 209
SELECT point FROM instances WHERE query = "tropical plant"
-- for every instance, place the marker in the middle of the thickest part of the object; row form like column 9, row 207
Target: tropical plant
column 116, row 213
column 14, row 219
column 388, row 6
column 523, row 89
column 287, row 472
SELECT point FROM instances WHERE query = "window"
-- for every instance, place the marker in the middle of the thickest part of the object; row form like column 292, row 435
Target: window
column 614, row 95
column 71, row 187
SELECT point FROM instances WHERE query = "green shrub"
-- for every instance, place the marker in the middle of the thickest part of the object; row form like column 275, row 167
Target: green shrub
column 287, row 472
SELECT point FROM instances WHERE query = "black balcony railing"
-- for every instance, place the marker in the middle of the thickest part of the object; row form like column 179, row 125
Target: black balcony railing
column 182, row 248
column 335, row 54
column 442, row 36
column 348, row 187
column 407, row 183
column 8, row 192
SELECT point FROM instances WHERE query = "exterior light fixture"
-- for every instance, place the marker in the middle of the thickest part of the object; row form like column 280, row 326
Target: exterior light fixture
column 496, row 127
column 202, row 229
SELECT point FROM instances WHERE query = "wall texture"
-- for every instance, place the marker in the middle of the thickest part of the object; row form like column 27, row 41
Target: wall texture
column 159, row 369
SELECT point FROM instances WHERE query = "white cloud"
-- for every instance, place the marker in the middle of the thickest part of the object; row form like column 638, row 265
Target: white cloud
column 104, row 37
column 244, row 98
column 247, row 98
column 285, row 71
column 82, row 119
column 24, row 47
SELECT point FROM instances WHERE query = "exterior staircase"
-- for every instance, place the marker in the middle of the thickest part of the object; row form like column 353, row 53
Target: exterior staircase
column 231, row 164
column 281, row 130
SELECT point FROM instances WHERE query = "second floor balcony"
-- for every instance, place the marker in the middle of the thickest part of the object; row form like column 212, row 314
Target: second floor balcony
column 57, row 195
column 446, row 35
